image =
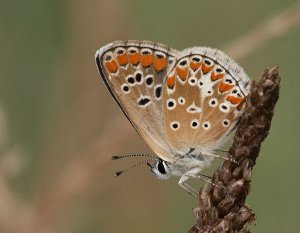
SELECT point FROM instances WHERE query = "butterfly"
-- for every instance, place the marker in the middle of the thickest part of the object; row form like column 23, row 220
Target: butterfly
column 183, row 104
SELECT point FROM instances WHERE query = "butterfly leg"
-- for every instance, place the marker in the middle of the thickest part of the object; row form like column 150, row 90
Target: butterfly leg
column 187, row 187
column 200, row 176
column 220, row 157
column 182, row 182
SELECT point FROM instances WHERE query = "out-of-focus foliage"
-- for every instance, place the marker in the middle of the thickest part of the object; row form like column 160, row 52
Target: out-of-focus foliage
column 59, row 126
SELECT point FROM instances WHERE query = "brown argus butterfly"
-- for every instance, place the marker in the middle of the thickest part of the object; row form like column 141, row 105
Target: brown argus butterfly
column 182, row 103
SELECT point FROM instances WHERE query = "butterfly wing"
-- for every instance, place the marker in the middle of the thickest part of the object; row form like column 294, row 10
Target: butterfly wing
column 134, row 72
column 203, row 99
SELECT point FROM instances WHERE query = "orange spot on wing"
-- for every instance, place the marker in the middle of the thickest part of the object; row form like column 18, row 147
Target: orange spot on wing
column 160, row 64
column 122, row 59
column 205, row 68
column 171, row 81
column 195, row 65
column 147, row 60
column 240, row 106
column 182, row 73
column 223, row 87
column 112, row 66
column 234, row 99
column 134, row 58
column 216, row 76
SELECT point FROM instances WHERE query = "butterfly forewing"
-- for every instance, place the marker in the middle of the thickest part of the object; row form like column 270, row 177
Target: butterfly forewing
column 203, row 97
column 134, row 73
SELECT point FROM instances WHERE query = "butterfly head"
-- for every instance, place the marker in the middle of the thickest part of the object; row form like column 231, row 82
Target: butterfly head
column 161, row 169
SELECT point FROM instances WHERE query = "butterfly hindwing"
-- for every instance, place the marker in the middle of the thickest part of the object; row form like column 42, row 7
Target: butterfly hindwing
column 134, row 72
column 202, row 101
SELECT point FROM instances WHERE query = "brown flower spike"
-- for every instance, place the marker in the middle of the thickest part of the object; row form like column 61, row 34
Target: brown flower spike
column 222, row 208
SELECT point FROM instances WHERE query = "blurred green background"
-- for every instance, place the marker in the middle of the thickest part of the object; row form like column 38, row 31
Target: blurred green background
column 59, row 126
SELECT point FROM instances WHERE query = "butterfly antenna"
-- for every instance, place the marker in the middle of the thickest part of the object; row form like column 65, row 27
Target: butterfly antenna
column 133, row 166
column 131, row 155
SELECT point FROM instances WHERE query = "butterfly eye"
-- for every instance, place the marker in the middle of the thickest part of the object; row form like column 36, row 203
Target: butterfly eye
column 160, row 167
column 161, row 170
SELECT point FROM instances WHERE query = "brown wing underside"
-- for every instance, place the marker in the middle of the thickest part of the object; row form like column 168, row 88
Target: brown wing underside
column 134, row 72
column 202, row 104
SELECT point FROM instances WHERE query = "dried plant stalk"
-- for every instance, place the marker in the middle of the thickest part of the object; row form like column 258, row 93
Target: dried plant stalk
column 222, row 208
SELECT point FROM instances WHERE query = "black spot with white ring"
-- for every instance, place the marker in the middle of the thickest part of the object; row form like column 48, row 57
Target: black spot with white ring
column 130, row 80
column 132, row 50
column 192, row 81
column 146, row 51
column 228, row 80
column 219, row 70
column 213, row 102
column 144, row 101
column 149, row 80
column 196, row 59
column 206, row 125
column 120, row 51
column 157, row 92
column 183, row 63
column 181, row 100
column 160, row 55
column 139, row 77
column 108, row 57
column 194, row 124
column 125, row 88
column 208, row 62
column 209, row 93
column 175, row 125
column 225, row 122
column 171, row 104
column 224, row 107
